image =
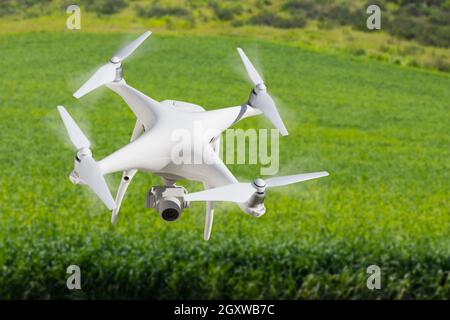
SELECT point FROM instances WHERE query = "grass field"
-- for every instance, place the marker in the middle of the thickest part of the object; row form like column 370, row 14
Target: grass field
column 343, row 39
column 382, row 131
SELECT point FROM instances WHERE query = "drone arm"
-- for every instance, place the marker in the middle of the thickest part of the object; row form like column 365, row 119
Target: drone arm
column 146, row 109
column 214, row 175
column 221, row 119
column 137, row 131
column 245, row 111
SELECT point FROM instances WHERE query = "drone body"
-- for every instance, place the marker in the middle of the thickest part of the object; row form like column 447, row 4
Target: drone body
column 154, row 147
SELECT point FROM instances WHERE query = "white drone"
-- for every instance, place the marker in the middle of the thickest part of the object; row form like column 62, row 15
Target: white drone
column 151, row 144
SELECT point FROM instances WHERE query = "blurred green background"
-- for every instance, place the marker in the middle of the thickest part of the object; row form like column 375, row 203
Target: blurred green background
column 370, row 107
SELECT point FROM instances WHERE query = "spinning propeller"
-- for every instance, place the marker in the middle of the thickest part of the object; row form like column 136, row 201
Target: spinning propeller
column 108, row 72
column 241, row 192
column 86, row 170
column 260, row 99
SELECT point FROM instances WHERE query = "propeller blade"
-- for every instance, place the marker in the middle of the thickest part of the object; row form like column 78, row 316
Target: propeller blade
column 263, row 100
column 126, row 51
column 107, row 73
column 252, row 73
column 77, row 137
column 241, row 192
column 104, row 75
column 208, row 219
column 87, row 169
column 90, row 173
column 265, row 103
column 282, row 181
column 235, row 192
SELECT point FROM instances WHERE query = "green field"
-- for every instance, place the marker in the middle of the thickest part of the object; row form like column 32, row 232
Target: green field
column 382, row 131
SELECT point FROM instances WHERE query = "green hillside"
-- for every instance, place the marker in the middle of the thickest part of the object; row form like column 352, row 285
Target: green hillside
column 381, row 130
column 413, row 32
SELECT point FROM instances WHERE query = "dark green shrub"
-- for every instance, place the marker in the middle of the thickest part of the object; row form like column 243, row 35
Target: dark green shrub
column 237, row 23
column 158, row 11
column 435, row 35
column 308, row 7
column 261, row 4
column 328, row 12
column 342, row 15
column 7, row 8
column 404, row 27
column 441, row 17
column 297, row 20
column 29, row 3
column 442, row 65
column 105, row 6
column 25, row 8
column 272, row 19
column 358, row 51
column 264, row 18
column 225, row 11
column 324, row 24
column 423, row 21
